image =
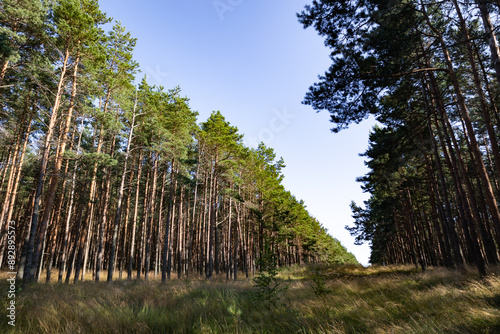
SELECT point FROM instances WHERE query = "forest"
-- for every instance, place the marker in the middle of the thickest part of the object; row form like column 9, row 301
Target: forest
column 103, row 178
column 429, row 72
column 142, row 218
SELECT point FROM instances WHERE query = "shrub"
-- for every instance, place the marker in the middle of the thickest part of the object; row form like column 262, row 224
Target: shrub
column 269, row 287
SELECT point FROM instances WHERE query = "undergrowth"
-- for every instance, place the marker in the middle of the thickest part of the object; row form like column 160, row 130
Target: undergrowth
column 358, row 300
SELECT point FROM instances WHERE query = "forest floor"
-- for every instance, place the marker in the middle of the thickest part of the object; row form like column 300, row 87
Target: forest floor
column 345, row 299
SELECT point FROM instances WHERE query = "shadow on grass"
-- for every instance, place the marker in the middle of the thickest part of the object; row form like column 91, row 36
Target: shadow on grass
column 372, row 302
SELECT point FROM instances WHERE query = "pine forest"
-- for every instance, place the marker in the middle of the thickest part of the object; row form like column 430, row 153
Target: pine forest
column 141, row 216
column 430, row 74
column 105, row 176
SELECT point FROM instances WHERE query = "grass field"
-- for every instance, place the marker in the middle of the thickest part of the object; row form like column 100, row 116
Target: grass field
column 318, row 300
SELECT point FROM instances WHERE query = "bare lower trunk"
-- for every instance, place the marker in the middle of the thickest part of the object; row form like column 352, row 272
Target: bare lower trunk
column 114, row 242
column 150, row 215
column 62, row 264
column 5, row 66
column 34, row 250
column 166, row 248
column 134, row 220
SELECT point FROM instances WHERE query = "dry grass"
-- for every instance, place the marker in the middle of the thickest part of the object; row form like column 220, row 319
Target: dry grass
column 360, row 300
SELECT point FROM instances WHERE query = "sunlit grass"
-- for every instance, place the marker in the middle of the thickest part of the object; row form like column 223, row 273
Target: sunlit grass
column 360, row 300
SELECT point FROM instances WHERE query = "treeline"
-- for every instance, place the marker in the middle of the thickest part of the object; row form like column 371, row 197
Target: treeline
column 101, row 176
column 430, row 74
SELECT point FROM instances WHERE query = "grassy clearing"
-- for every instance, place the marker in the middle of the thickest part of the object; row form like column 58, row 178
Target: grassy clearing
column 359, row 300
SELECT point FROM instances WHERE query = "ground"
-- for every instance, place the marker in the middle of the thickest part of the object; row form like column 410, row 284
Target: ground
column 316, row 299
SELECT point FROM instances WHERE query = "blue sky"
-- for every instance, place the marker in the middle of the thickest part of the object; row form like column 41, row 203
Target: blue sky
column 253, row 61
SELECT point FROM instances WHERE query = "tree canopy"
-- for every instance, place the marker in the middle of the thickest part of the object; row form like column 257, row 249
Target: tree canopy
column 428, row 72
column 102, row 173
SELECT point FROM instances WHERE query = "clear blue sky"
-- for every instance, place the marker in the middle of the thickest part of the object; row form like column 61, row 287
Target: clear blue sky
column 253, row 61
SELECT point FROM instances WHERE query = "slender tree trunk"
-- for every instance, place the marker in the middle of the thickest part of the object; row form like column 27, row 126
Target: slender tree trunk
column 34, row 250
column 51, row 192
column 142, row 237
column 10, row 201
column 229, row 268
column 134, row 220
column 437, row 103
column 193, row 221
column 76, row 252
column 5, row 66
column 160, row 219
column 492, row 165
column 492, row 39
column 180, row 232
column 111, row 265
column 89, row 216
column 477, row 82
column 166, row 247
column 5, row 170
column 211, row 229
column 126, row 225
column 12, row 162
column 62, row 264
column 236, row 242
column 488, row 191
column 150, row 215
column 104, row 220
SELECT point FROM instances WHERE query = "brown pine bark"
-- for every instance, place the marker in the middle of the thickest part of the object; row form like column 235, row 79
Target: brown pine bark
column 488, row 191
column 150, row 215
column 53, row 183
column 103, row 222
column 126, row 225
column 180, row 234
column 160, row 223
column 193, row 221
column 11, row 167
column 229, row 269
column 210, row 227
column 477, row 83
column 141, row 250
column 65, row 250
column 116, row 227
column 436, row 103
column 166, row 256
column 34, row 252
column 491, row 36
column 5, row 169
column 5, row 66
column 54, row 236
column 11, row 197
column 87, row 228
column 134, row 219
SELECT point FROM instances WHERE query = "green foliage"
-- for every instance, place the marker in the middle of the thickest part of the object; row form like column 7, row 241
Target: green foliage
column 371, row 300
column 20, row 21
column 235, row 313
column 269, row 286
column 412, row 65
column 318, row 282
column 69, row 77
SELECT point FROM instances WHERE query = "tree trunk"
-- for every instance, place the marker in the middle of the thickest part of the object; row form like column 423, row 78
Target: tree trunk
column 150, row 215
column 10, row 201
column 490, row 198
column 62, row 264
column 111, row 265
column 492, row 39
column 193, row 221
column 142, row 237
column 166, row 247
column 34, row 250
column 134, row 220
